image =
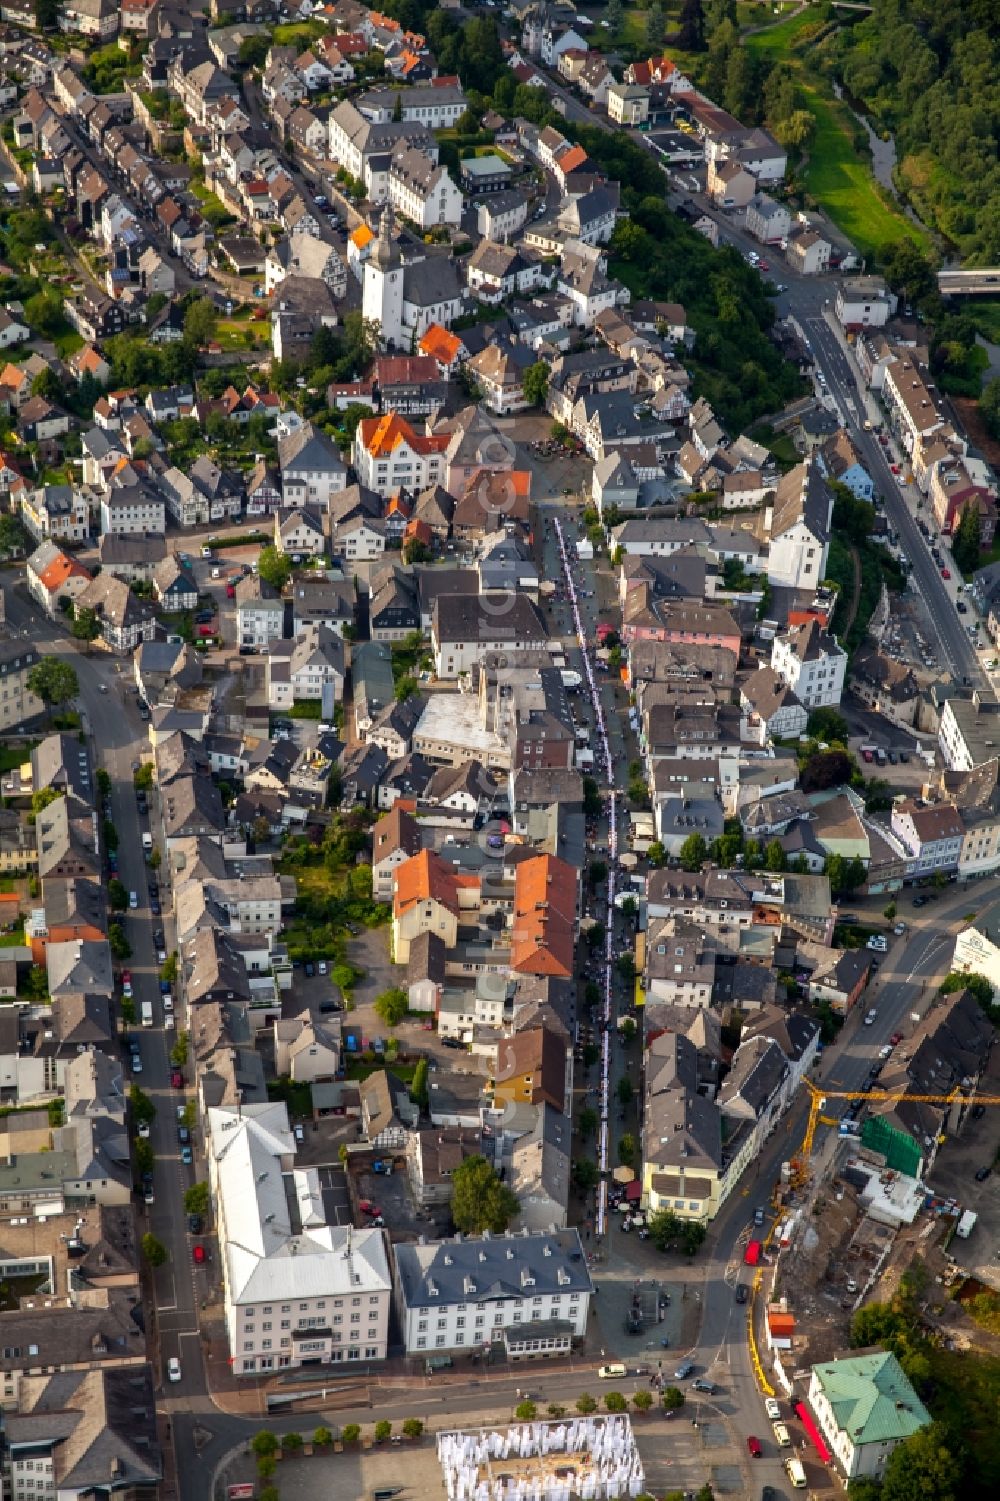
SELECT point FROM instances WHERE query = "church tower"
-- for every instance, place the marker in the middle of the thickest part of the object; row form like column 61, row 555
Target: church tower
column 382, row 288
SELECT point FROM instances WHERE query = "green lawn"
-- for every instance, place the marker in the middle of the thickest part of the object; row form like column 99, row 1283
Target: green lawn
column 836, row 176
column 13, row 756
column 987, row 316
column 13, row 940
column 842, row 182
column 779, row 40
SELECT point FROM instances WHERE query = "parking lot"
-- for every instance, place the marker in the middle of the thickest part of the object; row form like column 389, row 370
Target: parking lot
column 961, row 1157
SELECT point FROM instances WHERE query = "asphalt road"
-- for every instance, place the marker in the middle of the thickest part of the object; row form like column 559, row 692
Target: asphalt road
column 119, row 737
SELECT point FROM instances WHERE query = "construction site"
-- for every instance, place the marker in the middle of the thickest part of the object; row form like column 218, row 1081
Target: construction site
column 853, row 1216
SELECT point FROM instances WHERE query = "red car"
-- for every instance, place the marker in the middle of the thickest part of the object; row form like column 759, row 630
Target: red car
column 206, row 630
column 176, row 1079
column 946, row 573
column 894, row 468
column 763, row 266
column 126, row 977
column 753, row 1444
column 896, row 1037
column 198, row 1252
column 367, row 1207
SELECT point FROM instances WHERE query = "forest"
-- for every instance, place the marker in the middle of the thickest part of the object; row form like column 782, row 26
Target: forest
column 928, row 71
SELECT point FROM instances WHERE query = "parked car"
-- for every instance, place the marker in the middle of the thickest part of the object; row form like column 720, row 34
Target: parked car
column 173, row 1364
column 195, row 1224
column 755, row 1447
column 198, row 1255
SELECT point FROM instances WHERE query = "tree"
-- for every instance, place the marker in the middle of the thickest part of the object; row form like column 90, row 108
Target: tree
column 656, row 854
column 13, row 537
column 54, row 682
column 120, row 947
column 264, row 1444
column 142, row 780
column 625, row 965
column 823, row 769
column 197, row 1199
column 875, row 1324
column 86, row 625
column 627, row 1030
column 691, row 31
column 126, row 1006
column 47, row 14
column 274, row 567
column 966, row 543
column 253, row 51
column 153, row 1250
column 141, row 1105
column 626, row 1149
column 391, row 1006
column 828, row 725
column 266, row 1466
column 350, row 1433
column 117, row 895
column 585, row 1404
column 889, row 912
column 615, row 14
column 526, row 1411
column 615, row 1402
column 480, row 1201
column 587, row 1120
column 412, row 1427
column 656, row 28
column 624, row 1090
column 585, row 1174
column 642, row 1400
column 989, row 407
column 556, row 1410
column 923, row 1465
column 535, row 383
column 41, row 799
column 418, row 1086
column 664, row 1228
column 200, row 323
column 322, row 1438
column 598, row 872
column 693, row 852
column 383, row 1428
column 143, row 1156
column 774, row 856
column 673, row 1398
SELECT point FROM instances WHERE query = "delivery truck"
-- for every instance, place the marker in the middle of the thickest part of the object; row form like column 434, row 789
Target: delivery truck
column 147, row 1013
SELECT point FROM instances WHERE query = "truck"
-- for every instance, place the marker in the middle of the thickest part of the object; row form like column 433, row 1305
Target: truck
column 572, row 681
column 966, row 1224
column 147, row 1013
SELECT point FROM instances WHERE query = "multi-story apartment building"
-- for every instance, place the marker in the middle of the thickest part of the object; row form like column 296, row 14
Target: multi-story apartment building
column 297, row 1290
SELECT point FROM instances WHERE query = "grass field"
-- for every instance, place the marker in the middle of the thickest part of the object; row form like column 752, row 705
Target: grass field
column 836, row 175
column 842, row 183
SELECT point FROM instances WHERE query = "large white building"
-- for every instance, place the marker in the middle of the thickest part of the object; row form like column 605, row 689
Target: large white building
column 390, row 455
column 812, row 663
column 800, row 528
column 864, row 1406
column 297, row 1290
column 530, row 1293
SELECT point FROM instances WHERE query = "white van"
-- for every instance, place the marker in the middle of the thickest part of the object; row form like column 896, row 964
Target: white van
column 796, row 1473
column 612, row 1372
column 782, row 1436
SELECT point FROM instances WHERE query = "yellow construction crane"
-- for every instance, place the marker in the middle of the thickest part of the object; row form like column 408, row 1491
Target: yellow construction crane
column 819, row 1096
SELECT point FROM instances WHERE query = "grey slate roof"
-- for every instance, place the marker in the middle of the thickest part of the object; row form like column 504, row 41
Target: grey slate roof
column 479, row 1269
